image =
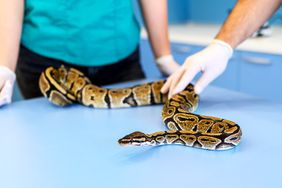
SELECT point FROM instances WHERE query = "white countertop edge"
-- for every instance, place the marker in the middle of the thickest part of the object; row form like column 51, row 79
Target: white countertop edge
column 202, row 34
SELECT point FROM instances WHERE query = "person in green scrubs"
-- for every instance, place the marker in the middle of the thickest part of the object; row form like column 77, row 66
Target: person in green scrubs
column 100, row 38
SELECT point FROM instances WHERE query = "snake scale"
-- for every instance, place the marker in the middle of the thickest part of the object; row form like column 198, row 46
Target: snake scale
column 64, row 86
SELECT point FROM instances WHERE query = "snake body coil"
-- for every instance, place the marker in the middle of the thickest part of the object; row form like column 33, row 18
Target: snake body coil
column 65, row 86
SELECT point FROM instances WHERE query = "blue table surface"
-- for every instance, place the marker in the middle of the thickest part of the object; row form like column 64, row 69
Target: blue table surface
column 44, row 146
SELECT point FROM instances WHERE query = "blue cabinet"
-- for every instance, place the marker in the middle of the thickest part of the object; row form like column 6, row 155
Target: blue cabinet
column 257, row 74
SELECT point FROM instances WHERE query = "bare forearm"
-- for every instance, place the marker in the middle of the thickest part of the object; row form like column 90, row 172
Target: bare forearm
column 11, row 15
column 156, row 22
column 246, row 17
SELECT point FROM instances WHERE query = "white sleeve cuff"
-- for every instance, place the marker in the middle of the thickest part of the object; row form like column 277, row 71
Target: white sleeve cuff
column 227, row 46
column 164, row 59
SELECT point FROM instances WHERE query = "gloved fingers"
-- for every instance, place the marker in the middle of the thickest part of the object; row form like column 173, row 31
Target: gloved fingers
column 175, row 79
column 6, row 93
column 165, row 87
column 185, row 79
column 6, row 74
column 2, row 102
column 204, row 81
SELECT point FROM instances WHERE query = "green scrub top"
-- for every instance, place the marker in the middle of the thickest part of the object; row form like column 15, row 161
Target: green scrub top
column 81, row 32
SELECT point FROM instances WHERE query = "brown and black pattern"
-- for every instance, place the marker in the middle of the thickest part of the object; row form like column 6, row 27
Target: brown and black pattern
column 66, row 86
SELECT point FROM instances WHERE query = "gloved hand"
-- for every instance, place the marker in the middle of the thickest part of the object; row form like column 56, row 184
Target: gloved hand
column 212, row 61
column 167, row 65
column 7, row 79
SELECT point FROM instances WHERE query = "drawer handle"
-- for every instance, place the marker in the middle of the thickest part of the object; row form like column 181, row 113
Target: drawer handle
column 181, row 49
column 257, row 60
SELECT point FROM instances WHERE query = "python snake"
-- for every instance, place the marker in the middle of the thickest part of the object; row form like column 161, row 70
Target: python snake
column 64, row 86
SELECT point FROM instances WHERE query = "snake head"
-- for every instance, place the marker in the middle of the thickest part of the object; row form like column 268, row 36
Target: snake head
column 135, row 139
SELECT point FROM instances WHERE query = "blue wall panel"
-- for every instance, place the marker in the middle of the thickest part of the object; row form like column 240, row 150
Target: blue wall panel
column 277, row 17
column 178, row 11
column 215, row 11
column 201, row 11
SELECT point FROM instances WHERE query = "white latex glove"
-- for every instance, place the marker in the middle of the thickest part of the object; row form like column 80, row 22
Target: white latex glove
column 7, row 79
column 167, row 65
column 212, row 61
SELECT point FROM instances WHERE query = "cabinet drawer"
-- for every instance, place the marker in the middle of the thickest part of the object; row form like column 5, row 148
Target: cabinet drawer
column 261, row 75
